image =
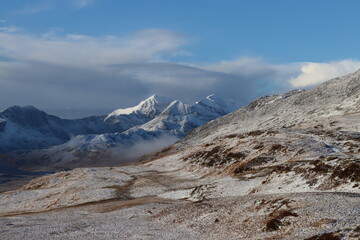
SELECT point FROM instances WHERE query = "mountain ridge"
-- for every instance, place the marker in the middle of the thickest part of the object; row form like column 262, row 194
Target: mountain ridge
column 274, row 109
column 51, row 137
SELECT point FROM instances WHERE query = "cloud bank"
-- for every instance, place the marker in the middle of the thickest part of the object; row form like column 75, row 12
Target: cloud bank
column 315, row 73
column 76, row 71
column 81, row 51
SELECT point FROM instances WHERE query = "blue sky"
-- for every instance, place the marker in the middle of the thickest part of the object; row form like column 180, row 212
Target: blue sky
column 282, row 30
column 132, row 49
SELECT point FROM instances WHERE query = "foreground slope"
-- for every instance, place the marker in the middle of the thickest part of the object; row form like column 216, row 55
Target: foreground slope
column 284, row 167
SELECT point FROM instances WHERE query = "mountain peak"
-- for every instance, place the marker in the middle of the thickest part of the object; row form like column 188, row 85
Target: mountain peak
column 27, row 116
column 19, row 108
column 221, row 104
column 150, row 107
column 158, row 98
column 154, row 96
column 211, row 96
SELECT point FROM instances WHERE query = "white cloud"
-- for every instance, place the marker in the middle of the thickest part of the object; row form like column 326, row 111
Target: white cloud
column 85, row 71
column 10, row 29
column 315, row 73
column 57, row 70
column 289, row 75
column 238, row 66
column 263, row 76
column 250, row 67
column 79, row 50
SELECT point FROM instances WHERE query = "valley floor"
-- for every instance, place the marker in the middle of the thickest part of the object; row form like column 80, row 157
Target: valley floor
column 283, row 216
column 145, row 202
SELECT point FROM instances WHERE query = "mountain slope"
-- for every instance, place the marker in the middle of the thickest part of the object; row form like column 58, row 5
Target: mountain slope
column 179, row 118
column 283, row 167
column 172, row 124
column 115, row 138
column 150, row 108
column 297, row 141
column 26, row 128
column 330, row 100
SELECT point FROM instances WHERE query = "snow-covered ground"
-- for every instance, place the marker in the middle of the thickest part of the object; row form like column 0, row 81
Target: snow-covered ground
column 119, row 137
column 284, row 167
column 138, row 202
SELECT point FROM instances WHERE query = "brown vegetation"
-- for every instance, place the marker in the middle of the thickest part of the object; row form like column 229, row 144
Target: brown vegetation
column 326, row 236
column 276, row 222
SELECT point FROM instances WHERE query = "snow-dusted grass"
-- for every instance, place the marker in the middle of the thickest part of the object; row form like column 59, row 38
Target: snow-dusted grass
column 284, row 167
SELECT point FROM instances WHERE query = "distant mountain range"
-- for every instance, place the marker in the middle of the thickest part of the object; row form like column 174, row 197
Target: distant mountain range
column 28, row 134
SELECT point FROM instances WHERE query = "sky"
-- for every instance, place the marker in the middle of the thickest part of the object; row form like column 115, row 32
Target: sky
column 92, row 56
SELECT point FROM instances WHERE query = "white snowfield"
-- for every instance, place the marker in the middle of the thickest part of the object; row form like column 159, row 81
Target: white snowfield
column 283, row 167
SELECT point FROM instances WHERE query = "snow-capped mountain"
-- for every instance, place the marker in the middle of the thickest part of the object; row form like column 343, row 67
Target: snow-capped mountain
column 27, row 128
column 179, row 118
column 49, row 137
column 149, row 108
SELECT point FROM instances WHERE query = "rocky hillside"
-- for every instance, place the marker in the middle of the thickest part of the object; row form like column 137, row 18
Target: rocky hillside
column 301, row 140
column 284, row 167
